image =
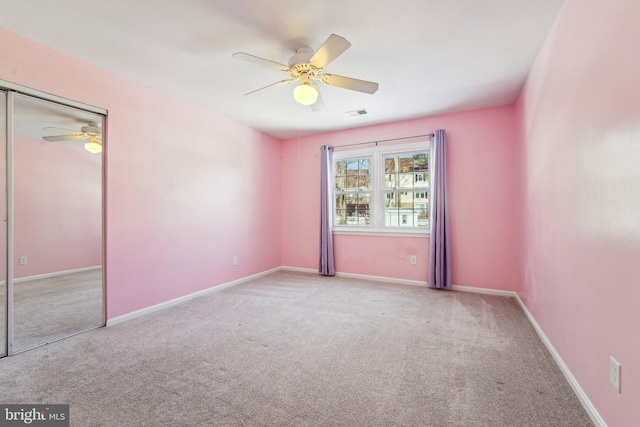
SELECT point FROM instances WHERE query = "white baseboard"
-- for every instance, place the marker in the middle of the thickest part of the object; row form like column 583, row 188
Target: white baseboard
column 485, row 291
column 299, row 269
column 403, row 281
column 147, row 310
column 54, row 274
column 358, row 276
column 382, row 279
column 582, row 396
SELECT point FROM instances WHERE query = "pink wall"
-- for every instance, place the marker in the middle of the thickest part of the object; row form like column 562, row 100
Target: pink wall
column 481, row 195
column 187, row 189
column 57, row 207
column 579, row 206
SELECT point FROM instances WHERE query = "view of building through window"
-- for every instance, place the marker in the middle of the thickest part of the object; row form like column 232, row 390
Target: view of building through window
column 406, row 182
column 396, row 183
column 353, row 192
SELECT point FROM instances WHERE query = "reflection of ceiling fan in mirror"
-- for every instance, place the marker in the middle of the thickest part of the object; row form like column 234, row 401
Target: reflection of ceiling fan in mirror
column 92, row 132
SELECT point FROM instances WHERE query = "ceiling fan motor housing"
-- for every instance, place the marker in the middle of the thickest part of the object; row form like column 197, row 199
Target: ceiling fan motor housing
column 299, row 65
column 90, row 129
column 302, row 56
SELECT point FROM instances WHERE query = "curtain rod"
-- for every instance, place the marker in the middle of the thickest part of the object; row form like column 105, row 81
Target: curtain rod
column 384, row 140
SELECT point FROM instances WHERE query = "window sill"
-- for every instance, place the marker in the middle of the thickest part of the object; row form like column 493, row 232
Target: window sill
column 389, row 233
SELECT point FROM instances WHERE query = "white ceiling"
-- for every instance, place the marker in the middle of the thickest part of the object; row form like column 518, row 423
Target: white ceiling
column 429, row 56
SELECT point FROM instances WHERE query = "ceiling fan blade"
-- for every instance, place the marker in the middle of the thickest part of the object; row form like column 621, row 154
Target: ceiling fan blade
column 349, row 83
column 53, row 127
column 271, row 85
column 333, row 47
column 261, row 61
column 319, row 105
column 57, row 138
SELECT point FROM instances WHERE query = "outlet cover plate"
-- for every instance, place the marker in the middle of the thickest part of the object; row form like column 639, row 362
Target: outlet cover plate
column 614, row 373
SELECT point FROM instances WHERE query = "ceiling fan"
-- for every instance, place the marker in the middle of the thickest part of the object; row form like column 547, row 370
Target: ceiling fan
column 306, row 66
column 92, row 132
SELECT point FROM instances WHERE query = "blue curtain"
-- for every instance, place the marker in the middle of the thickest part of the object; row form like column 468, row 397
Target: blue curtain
column 440, row 242
column 326, row 266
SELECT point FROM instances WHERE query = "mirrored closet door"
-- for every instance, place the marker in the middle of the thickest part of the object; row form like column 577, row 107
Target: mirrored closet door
column 55, row 222
column 3, row 224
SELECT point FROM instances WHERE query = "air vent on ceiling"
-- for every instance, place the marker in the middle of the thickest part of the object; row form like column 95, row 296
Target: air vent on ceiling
column 360, row 112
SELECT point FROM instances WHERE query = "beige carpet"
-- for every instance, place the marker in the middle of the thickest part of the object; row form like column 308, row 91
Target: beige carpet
column 293, row 349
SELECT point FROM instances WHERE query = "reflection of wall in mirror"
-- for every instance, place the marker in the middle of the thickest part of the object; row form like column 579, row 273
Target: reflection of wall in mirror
column 57, row 207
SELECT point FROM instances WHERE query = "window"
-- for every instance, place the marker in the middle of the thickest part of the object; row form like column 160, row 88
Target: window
column 407, row 172
column 352, row 192
column 382, row 190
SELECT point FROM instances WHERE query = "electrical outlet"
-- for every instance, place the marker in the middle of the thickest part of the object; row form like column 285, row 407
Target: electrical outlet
column 614, row 373
column 414, row 260
column 234, row 261
column 23, row 260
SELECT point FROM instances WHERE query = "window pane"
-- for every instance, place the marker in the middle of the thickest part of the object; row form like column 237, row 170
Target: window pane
column 341, row 183
column 406, row 162
column 405, row 180
column 391, row 217
column 365, row 182
column 420, row 162
column 341, row 217
column 351, row 200
column 364, row 166
column 363, row 201
column 391, row 181
column 405, row 200
column 352, row 215
column 391, row 200
column 340, row 202
column 389, row 164
column 352, row 182
column 352, row 166
column 421, row 180
column 363, row 217
column 423, row 213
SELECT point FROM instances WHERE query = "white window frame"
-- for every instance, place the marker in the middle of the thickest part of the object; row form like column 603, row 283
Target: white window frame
column 377, row 194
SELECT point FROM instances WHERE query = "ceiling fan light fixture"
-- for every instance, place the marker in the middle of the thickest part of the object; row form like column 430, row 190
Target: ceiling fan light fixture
column 93, row 147
column 305, row 94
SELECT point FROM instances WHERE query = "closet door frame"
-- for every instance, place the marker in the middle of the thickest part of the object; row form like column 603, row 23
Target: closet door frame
column 10, row 89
